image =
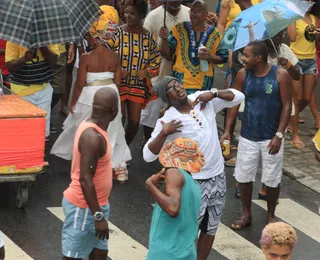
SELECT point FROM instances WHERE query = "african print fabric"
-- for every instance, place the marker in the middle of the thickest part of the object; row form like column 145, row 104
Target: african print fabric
column 186, row 64
column 136, row 52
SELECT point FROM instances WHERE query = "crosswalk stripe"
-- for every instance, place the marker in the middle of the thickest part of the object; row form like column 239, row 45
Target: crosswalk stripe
column 13, row 251
column 297, row 216
column 121, row 245
column 233, row 246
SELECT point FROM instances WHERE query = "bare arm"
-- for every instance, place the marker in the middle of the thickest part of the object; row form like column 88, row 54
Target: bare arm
column 49, row 57
column 81, row 79
column 15, row 65
column 165, row 50
column 292, row 33
column 170, row 199
column 117, row 74
column 222, row 20
column 90, row 147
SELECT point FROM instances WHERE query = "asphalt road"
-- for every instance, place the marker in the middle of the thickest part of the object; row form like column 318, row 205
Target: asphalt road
column 37, row 231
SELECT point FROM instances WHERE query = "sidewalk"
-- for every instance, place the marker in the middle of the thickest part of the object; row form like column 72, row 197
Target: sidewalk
column 299, row 164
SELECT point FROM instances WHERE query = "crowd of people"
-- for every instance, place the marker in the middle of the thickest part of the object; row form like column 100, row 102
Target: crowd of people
column 153, row 65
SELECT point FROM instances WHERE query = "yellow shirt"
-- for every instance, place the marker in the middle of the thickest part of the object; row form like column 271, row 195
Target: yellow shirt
column 15, row 51
column 304, row 47
column 62, row 48
column 316, row 140
column 235, row 10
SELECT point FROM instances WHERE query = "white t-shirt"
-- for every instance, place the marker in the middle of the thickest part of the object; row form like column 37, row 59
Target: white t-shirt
column 205, row 135
column 286, row 52
column 153, row 23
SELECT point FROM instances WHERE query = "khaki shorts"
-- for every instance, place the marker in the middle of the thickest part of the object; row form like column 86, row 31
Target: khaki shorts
column 59, row 78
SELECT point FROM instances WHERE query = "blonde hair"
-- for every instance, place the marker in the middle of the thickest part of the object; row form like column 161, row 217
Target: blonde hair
column 278, row 233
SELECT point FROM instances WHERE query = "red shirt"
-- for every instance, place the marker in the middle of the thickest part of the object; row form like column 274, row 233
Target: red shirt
column 2, row 58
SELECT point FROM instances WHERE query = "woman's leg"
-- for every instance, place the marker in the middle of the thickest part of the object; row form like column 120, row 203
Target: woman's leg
column 308, row 86
column 314, row 110
column 134, row 112
column 297, row 95
column 123, row 112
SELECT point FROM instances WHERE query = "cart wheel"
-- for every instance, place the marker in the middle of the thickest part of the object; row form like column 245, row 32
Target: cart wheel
column 22, row 195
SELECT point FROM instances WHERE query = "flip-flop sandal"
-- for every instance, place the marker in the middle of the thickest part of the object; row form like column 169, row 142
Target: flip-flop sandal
column 241, row 223
column 298, row 145
column 262, row 196
column 237, row 193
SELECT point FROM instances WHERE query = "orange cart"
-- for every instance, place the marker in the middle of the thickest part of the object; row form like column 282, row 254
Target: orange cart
column 22, row 142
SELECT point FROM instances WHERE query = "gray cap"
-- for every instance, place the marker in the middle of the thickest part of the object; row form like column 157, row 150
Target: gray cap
column 161, row 88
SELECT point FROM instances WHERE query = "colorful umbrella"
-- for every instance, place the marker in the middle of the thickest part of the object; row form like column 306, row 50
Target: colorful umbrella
column 262, row 22
column 36, row 23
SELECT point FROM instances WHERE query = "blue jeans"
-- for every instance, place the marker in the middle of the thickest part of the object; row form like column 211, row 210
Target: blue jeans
column 42, row 99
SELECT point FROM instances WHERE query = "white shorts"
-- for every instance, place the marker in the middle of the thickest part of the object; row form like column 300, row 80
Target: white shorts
column 248, row 157
column 1, row 242
column 151, row 113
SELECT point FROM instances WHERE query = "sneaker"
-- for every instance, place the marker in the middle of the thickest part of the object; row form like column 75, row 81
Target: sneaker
column 231, row 162
column 48, row 139
column 53, row 130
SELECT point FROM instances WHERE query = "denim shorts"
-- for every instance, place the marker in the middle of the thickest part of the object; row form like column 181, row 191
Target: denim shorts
column 308, row 67
column 78, row 232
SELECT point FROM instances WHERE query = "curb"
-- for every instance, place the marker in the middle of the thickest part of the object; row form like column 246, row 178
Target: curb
column 292, row 172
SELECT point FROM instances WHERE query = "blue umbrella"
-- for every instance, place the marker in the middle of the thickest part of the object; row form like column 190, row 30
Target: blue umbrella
column 262, row 22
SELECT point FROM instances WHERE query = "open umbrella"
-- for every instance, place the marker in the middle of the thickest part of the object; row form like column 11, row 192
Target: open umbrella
column 36, row 23
column 262, row 22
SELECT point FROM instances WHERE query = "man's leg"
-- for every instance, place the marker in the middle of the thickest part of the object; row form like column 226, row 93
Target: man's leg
column 271, row 176
column 246, row 168
column 98, row 254
column 272, row 198
column 213, row 197
column 44, row 101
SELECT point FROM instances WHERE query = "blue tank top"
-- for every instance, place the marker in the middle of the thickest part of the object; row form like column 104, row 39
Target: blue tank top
column 174, row 238
column 263, row 106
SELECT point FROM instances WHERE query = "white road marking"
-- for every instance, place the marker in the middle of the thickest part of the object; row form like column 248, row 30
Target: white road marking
column 13, row 252
column 121, row 245
column 297, row 216
column 233, row 246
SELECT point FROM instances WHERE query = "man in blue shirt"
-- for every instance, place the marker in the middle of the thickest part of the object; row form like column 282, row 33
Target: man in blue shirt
column 268, row 100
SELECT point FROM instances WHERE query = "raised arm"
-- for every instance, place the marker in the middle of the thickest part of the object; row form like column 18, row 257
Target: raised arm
column 169, row 199
column 223, row 16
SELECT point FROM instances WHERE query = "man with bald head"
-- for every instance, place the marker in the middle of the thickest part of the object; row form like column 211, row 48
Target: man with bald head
column 182, row 46
column 85, row 203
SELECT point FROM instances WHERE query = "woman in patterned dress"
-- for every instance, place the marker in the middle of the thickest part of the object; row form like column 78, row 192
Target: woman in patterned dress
column 140, row 60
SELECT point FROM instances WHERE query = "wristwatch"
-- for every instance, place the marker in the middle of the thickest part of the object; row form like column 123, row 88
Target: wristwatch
column 98, row 216
column 279, row 135
column 214, row 91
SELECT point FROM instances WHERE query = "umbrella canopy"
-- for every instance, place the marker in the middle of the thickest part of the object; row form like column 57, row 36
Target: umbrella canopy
column 36, row 23
column 262, row 22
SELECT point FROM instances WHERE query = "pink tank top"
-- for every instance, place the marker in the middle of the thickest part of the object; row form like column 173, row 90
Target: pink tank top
column 102, row 179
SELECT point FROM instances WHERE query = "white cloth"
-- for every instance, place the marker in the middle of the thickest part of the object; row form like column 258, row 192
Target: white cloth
column 285, row 52
column 206, row 136
column 248, row 158
column 1, row 242
column 76, row 63
column 63, row 147
column 153, row 22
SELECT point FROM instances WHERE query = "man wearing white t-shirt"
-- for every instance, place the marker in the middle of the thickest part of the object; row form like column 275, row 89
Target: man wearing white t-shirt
column 176, row 13
column 2, row 253
column 189, row 119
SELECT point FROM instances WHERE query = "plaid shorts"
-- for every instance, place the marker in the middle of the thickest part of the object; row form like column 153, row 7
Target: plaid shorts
column 213, row 198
